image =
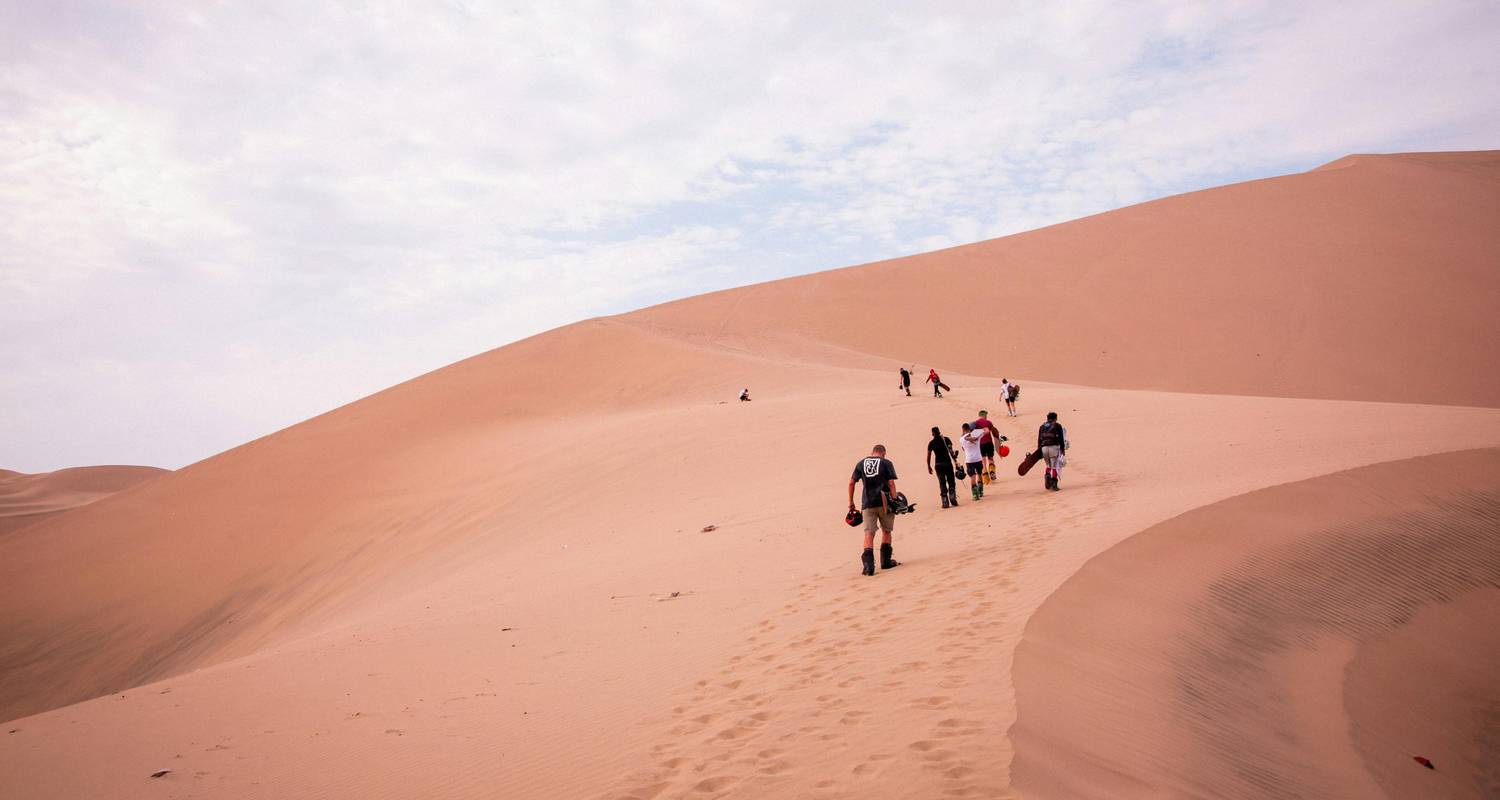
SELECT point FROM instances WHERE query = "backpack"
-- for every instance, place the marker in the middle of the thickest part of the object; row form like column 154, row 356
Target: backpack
column 1051, row 434
column 1015, row 391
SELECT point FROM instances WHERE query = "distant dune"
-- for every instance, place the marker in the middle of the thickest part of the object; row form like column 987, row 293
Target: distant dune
column 25, row 499
column 575, row 566
column 1374, row 278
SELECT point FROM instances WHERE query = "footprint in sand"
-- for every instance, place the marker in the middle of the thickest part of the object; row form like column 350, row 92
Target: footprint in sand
column 711, row 785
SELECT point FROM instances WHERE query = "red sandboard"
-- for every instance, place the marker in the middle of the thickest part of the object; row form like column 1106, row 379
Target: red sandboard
column 1029, row 462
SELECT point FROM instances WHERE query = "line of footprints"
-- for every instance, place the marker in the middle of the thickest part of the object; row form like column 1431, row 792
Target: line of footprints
column 815, row 693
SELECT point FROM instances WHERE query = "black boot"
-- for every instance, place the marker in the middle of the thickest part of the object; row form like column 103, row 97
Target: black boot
column 886, row 562
column 945, row 500
column 868, row 557
column 953, row 496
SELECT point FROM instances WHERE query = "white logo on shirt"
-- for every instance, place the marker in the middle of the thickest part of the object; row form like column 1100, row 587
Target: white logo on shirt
column 872, row 467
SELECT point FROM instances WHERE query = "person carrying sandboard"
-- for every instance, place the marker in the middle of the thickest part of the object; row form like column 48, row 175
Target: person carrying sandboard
column 1010, row 393
column 1052, row 443
column 937, row 383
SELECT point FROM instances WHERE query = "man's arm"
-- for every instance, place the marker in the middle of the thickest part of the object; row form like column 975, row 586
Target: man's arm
column 851, row 493
column 1062, row 439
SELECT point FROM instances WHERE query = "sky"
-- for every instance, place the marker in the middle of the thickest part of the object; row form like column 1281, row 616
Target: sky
column 219, row 219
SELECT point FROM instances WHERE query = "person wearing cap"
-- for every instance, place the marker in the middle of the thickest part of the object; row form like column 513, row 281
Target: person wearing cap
column 937, row 383
column 1052, row 440
column 987, row 443
column 878, row 475
column 940, row 450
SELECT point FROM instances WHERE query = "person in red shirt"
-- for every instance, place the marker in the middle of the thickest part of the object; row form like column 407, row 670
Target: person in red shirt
column 937, row 383
column 987, row 443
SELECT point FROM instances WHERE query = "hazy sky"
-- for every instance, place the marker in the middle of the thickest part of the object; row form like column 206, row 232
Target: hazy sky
column 219, row 219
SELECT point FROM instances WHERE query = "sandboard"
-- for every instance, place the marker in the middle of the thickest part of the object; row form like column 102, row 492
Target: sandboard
column 1029, row 462
column 944, row 387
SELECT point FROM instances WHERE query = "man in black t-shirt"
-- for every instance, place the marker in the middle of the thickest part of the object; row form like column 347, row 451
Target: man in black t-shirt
column 940, row 451
column 878, row 475
column 906, row 380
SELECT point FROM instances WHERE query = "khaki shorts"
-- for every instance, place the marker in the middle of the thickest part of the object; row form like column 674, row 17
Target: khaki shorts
column 1050, row 454
column 878, row 517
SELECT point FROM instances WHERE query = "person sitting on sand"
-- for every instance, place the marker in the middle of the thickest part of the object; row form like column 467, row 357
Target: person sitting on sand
column 940, row 450
column 878, row 475
column 1052, row 440
column 973, row 458
column 745, row 395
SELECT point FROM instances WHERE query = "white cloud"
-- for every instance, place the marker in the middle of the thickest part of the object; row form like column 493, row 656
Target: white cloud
column 331, row 199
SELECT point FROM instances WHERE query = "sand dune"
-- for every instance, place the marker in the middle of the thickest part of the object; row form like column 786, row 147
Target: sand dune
column 1376, row 280
column 493, row 580
column 1303, row 640
column 28, row 498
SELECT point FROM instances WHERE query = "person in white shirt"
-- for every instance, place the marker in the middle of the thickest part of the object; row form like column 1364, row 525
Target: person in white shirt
column 974, row 457
column 1008, row 392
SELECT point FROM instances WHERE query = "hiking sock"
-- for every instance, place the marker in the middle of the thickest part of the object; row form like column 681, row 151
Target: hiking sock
column 868, row 557
column 886, row 562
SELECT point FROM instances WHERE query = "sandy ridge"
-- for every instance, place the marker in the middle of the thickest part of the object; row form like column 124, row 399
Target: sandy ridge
column 1222, row 653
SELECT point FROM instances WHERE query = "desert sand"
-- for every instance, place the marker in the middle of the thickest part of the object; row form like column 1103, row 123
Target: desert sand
column 28, row 498
column 494, row 580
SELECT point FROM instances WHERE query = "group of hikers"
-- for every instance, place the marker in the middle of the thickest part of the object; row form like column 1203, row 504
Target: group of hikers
column 974, row 458
column 1009, row 392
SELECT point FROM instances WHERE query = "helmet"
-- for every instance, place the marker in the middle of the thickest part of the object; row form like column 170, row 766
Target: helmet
column 900, row 506
column 1003, row 451
column 854, row 518
column 958, row 471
